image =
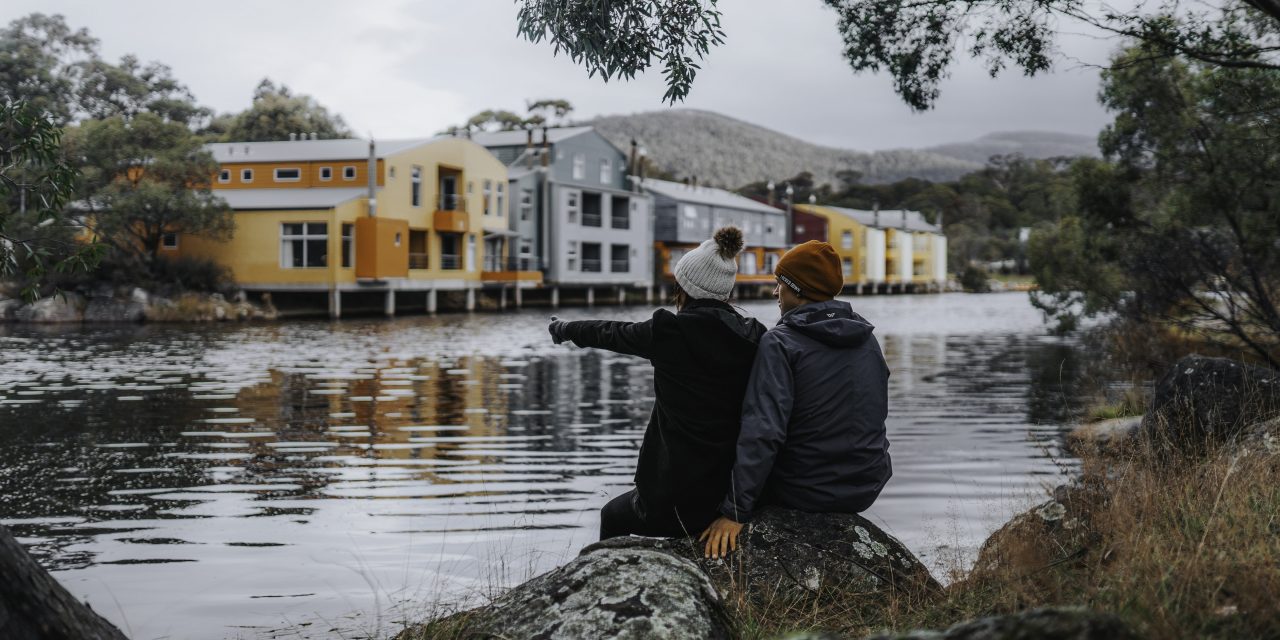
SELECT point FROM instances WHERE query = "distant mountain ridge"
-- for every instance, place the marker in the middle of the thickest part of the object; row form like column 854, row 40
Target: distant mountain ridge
column 723, row 151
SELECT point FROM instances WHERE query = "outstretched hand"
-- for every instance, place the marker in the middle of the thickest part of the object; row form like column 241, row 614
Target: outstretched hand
column 721, row 538
column 556, row 329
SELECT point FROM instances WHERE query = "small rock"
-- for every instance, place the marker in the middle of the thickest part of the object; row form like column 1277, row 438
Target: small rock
column 219, row 312
column 1105, row 435
column 113, row 310
column 63, row 307
column 140, row 296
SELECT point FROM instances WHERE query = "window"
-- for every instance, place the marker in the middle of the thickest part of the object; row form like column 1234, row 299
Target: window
column 348, row 243
column 349, row 172
column 304, row 244
column 768, row 229
column 606, row 171
column 620, row 258
column 846, row 240
column 690, row 217
column 620, row 213
column 674, row 259
column 224, row 176
column 326, row 174
column 397, row 238
column 770, row 262
column 526, row 204
column 579, row 167
column 847, row 265
column 526, row 245
column 488, row 196
column 572, row 255
column 591, row 209
column 415, row 186
column 591, row 257
column 391, row 172
column 747, row 263
column 292, row 174
column 471, row 252
column 246, row 175
column 169, row 240
column 501, row 191
column 571, row 206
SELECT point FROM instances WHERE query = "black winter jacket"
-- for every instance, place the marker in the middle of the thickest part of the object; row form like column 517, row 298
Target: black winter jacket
column 701, row 359
column 813, row 433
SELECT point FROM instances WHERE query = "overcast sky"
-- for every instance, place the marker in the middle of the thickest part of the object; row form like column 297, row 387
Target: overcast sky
column 395, row 68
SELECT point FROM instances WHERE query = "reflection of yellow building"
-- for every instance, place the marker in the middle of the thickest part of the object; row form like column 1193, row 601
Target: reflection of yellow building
column 895, row 248
column 305, row 220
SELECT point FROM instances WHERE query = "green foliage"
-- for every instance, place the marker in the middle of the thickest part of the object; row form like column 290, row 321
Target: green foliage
column 35, row 184
column 144, row 177
column 975, row 279
column 503, row 120
column 131, row 88
column 275, row 113
column 622, row 38
column 41, row 64
column 1182, row 225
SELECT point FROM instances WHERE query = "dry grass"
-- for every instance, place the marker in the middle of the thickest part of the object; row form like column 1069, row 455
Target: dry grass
column 1189, row 549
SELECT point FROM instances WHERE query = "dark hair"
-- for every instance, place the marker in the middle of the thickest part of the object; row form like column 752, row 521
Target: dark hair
column 680, row 298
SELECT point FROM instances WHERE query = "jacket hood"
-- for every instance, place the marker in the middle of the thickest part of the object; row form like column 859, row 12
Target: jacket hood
column 832, row 323
column 744, row 327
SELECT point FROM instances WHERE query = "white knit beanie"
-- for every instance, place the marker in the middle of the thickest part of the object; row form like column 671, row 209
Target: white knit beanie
column 708, row 271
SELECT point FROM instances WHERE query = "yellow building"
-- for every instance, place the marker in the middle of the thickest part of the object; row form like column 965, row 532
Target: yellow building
column 306, row 221
column 892, row 249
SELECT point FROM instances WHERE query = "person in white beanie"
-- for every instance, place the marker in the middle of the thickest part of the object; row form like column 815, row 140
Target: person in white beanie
column 702, row 357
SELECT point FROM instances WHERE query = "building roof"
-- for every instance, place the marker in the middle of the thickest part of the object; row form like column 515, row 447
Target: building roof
column 310, row 150
column 706, row 195
column 889, row 219
column 520, row 137
column 310, row 198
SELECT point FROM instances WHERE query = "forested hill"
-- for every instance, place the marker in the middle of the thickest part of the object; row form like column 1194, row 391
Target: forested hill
column 722, row 151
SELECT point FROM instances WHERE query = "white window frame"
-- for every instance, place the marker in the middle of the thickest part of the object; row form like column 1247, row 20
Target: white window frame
column 304, row 237
column 500, row 212
column 246, row 175
column 165, row 240
column 572, row 206
column 571, row 256
column 224, row 176
column 326, row 174
column 349, row 172
column 579, row 166
column 606, row 171
column 348, row 243
column 415, row 186
column 526, row 204
column 846, row 239
column 275, row 174
column 488, row 195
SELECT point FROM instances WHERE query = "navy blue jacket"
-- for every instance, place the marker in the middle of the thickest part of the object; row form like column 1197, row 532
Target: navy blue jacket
column 813, row 433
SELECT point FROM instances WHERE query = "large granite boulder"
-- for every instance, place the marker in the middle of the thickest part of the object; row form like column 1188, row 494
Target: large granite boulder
column 1206, row 401
column 114, row 310
column 798, row 555
column 1033, row 624
column 63, row 307
column 604, row 593
column 1054, row 532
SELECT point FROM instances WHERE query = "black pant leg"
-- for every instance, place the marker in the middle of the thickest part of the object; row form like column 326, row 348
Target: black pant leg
column 618, row 517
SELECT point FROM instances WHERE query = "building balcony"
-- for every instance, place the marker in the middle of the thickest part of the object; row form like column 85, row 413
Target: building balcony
column 619, row 266
column 419, row 261
column 591, row 219
column 590, row 266
column 446, row 221
column 451, row 202
column 450, row 261
column 620, row 222
column 511, row 269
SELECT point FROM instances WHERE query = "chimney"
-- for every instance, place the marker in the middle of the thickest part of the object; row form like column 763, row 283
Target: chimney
column 373, row 180
column 546, row 149
column 293, row 137
column 528, row 149
column 631, row 161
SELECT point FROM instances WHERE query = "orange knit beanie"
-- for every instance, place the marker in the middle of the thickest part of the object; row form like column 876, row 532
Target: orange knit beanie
column 811, row 270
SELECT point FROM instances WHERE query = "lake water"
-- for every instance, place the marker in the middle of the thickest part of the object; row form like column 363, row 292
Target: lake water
column 331, row 479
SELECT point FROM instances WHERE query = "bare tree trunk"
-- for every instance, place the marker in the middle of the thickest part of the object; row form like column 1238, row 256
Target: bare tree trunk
column 33, row 606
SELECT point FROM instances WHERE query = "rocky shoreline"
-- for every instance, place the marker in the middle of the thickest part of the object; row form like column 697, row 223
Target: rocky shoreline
column 132, row 305
column 792, row 561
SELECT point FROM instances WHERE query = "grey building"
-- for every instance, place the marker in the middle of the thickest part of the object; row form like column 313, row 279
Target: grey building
column 572, row 208
column 686, row 215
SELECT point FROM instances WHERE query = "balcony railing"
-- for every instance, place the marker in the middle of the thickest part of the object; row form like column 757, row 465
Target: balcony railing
column 620, row 266
column 590, row 219
column 448, row 261
column 513, row 263
column 418, row 261
column 452, row 202
column 621, row 222
column 590, row 266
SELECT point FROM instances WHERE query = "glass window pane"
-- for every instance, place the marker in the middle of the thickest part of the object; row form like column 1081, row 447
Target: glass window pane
column 317, row 252
column 294, row 253
column 293, row 229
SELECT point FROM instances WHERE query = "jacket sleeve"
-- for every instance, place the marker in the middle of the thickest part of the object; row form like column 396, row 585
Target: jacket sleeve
column 766, row 411
column 631, row 338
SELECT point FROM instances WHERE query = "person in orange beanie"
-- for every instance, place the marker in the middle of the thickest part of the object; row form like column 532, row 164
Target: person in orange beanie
column 813, row 420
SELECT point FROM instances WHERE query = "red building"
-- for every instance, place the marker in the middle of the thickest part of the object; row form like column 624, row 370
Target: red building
column 806, row 227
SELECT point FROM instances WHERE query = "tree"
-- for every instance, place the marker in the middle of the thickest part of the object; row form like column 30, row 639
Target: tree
column 41, row 61
column 144, row 177
column 130, row 88
column 915, row 42
column 1182, row 226
column 35, row 184
column 542, row 111
column 275, row 113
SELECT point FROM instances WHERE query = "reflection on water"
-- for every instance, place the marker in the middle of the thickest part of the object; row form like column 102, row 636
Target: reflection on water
column 335, row 478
